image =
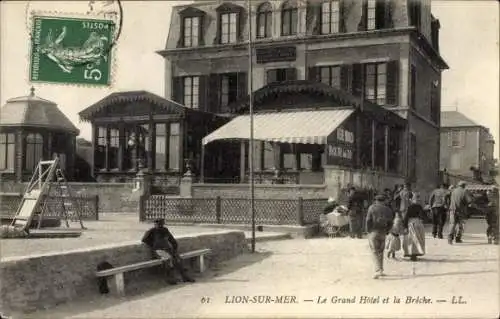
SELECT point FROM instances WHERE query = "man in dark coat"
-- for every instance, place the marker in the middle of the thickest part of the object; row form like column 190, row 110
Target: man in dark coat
column 437, row 202
column 162, row 243
column 459, row 200
column 378, row 223
column 355, row 207
column 492, row 216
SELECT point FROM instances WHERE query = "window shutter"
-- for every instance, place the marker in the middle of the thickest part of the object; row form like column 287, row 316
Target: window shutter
column 345, row 77
column 213, row 93
column 201, row 27
column 178, row 89
column 462, row 138
column 357, row 80
column 389, row 7
column 317, row 12
column 392, row 84
column 203, row 94
column 380, row 15
column 362, row 26
column 313, row 74
column 242, row 86
column 290, row 74
column 342, row 26
column 450, row 139
column 271, row 76
column 180, row 42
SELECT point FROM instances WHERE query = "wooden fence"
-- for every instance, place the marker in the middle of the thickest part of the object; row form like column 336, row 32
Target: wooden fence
column 89, row 206
column 231, row 210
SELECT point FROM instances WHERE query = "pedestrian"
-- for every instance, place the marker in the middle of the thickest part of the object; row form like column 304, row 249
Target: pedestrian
column 393, row 242
column 163, row 244
column 414, row 234
column 437, row 202
column 404, row 197
column 492, row 216
column 378, row 223
column 459, row 200
column 355, row 206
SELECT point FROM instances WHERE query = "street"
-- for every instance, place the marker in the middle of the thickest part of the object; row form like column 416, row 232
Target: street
column 324, row 278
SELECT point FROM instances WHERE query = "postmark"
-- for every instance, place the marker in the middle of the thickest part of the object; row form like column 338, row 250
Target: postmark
column 71, row 50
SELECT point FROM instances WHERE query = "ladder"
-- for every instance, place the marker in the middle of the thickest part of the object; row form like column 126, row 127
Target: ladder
column 67, row 205
column 39, row 188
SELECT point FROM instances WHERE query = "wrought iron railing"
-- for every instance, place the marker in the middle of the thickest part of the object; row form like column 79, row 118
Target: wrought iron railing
column 231, row 210
column 88, row 205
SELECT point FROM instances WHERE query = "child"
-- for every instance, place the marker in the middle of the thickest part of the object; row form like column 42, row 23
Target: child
column 393, row 242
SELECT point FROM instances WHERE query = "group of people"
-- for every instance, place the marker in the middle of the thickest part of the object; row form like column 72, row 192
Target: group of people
column 395, row 220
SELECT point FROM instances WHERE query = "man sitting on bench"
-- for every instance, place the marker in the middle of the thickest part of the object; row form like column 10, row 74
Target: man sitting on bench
column 163, row 244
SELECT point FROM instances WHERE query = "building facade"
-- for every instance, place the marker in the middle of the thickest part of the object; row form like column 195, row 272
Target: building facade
column 466, row 146
column 385, row 51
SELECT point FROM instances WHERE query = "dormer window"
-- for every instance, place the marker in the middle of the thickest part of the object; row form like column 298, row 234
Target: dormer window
column 264, row 20
column 289, row 18
column 330, row 17
column 229, row 18
column 191, row 27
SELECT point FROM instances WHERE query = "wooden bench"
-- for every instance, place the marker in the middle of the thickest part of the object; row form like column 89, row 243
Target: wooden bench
column 118, row 272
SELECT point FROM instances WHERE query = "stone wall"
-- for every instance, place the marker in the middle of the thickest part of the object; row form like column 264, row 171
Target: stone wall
column 113, row 197
column 30, row 283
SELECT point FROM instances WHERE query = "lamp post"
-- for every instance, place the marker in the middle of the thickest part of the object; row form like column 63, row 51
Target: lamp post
column 251, row 147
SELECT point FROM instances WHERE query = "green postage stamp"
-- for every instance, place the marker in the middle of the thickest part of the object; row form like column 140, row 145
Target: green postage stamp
column 71, row 50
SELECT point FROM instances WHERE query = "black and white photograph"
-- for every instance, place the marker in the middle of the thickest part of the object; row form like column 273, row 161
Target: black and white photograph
column 249, row 159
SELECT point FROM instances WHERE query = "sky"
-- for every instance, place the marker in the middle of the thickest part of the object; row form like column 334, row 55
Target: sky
column 468, row 43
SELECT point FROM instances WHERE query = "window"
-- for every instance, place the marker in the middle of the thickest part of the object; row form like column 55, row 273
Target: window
column 330, row 17
column 289, row 19
column 191, row 91
column 435, row 34
column 281, row 75
column 160, row 147
column 331, row 75
column 376, row 15
column 229, row 28
column 34, row 150
column 371, row 14
column 413, row 87
column 114, row 145
column 375, row 83
column 174, row 144
column 7, row 150
column 268, row 154
column 306, row 161
column 264, row 20
column 229, row 89
column 102, row 137
column 435, row 105
column 457, row 138
column 413, row 156
column 191, row 31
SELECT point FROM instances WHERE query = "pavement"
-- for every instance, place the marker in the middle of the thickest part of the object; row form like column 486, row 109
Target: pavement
column 322, row 278
column 110, row 229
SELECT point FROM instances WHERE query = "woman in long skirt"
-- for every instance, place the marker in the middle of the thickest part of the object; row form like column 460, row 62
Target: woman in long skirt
column 414, row 239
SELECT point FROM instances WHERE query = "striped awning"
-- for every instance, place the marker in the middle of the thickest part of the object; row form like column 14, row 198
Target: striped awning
column 480, row 187
column 305, row 127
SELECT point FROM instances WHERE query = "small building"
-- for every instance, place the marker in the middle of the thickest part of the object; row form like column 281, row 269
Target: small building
column 466, row 146
column 34, row 129
column 136, row 131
